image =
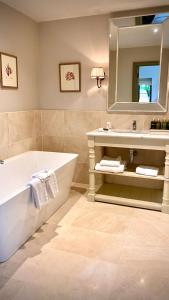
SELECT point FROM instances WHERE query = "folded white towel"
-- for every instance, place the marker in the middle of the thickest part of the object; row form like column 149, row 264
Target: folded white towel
column 39, row 192
column 50, row 180
column 147, row 170
column 119, row 169
column 110, row 162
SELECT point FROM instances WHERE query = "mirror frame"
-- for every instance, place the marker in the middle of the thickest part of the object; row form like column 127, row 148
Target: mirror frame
column 135, row 107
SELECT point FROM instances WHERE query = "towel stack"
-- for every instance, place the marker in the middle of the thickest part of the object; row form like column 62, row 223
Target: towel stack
column 113, row 165
column 147, row 171
column 44, row 187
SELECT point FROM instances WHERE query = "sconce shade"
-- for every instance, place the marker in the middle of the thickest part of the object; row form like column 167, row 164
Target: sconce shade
column 97, row 73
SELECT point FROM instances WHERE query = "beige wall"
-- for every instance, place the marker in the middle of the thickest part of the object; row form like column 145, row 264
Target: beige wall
column 19, row 36
column 83, row 40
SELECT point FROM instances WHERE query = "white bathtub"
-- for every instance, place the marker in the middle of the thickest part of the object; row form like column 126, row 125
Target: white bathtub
column 19, row 218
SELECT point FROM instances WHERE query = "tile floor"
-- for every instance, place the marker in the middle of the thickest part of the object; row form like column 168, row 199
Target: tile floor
column 92, row 251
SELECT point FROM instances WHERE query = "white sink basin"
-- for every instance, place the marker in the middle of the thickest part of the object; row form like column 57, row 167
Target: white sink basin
column 128, row 131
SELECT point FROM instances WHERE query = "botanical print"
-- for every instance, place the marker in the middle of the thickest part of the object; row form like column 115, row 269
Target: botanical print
column 9, row 71
column 69, row 77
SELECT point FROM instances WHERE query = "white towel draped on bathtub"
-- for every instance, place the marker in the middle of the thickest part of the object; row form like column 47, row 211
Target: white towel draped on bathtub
column 50, row 180
column 44, row 187
column 39, row 192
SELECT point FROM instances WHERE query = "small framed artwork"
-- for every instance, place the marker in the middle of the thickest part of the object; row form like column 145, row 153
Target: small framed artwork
column 9, row 71
column 70, row 77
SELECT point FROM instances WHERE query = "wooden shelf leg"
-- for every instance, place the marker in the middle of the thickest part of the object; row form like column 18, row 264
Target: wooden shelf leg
column 165, row 203
column 91, row 192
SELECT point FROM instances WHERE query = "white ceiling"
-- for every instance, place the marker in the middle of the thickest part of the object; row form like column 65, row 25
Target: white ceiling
column 48, row 10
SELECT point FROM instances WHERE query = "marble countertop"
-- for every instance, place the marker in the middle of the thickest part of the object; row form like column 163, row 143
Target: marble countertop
column 147, row 134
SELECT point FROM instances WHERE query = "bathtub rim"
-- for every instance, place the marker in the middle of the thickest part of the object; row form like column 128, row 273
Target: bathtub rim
column 27, row 187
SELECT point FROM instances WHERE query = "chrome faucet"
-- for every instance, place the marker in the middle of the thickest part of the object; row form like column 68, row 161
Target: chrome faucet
column 1, row 162
column 134, row 125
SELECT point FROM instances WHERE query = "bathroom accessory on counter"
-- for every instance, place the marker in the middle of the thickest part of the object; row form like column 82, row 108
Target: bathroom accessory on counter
column 103, row 129
column 147, row 170
column 153, row 124
column 110, row 162
column 159, row 124
column 164, row 124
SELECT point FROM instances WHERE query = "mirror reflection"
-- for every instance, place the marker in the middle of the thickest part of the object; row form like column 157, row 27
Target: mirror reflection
column 138, row 60
column 145, row 81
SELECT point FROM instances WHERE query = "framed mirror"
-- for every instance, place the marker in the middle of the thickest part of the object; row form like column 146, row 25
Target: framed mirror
column 138, row 63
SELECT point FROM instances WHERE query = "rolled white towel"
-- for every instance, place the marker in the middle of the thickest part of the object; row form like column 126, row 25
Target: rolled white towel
column 119, row 169
column 39, row 192
column 110, row 162
column 147, row 170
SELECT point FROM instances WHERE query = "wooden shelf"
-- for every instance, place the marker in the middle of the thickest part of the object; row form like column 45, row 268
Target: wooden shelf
column 130, row 196
column 130, row 172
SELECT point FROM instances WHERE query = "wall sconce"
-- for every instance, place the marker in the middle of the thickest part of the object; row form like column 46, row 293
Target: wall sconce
column 98, row 74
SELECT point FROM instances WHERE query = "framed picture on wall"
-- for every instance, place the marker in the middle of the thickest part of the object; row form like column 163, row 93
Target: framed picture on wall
column 70, row 77
column 9, row 71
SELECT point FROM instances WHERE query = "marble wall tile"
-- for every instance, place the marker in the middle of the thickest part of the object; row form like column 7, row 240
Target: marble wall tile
column 77, row 145
column 4, row 152
column 19, row 132
column 53, row 123
column 81, row 174
column 37, row 123
column 122, row 121
column 53, row 143
column 4, row 136
column 77, row 123
column 21, row 125
column 23, row 146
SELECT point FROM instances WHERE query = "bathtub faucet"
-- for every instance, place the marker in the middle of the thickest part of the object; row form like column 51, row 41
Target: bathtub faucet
column 1, row 162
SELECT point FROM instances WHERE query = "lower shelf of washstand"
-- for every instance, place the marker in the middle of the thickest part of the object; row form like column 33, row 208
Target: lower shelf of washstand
column 130, row 196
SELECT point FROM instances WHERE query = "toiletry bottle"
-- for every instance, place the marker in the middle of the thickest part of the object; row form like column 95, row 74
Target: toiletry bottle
column 158, row 124
column 153, row 124
column 164, row 124
column 167, row 124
